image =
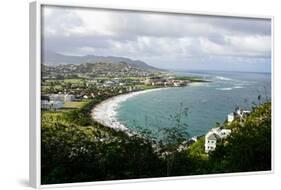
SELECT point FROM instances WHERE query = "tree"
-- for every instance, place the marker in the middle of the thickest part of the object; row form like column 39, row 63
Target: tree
column 249, row 146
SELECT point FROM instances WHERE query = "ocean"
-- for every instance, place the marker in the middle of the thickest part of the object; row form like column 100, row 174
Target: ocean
column 207, row 103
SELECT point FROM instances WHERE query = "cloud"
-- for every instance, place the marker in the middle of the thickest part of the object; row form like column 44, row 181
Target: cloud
column 156, row 37
column 251, row 46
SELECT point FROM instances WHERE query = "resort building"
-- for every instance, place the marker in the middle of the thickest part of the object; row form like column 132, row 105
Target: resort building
column 178, row 83
column 213, row 136
column 165, row 81
column 155, row 81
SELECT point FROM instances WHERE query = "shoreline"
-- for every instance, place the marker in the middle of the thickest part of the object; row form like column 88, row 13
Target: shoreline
column 105, row 112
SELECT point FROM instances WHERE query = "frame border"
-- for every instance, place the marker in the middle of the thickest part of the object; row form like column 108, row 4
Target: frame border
column 35, row 17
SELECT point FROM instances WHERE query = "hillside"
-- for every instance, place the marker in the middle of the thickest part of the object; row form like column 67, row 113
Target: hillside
column 75, row 149
column 50, row 58
column 248, row 148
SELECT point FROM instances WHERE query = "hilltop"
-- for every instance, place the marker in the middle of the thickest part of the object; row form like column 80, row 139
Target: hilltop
column 51, row 58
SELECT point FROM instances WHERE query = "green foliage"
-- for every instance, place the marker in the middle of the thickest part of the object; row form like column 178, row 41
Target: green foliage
column 197, row 151
column 77, row 149
column 249, row 146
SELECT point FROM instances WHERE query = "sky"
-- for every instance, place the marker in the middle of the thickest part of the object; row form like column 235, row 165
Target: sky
column 167, row 41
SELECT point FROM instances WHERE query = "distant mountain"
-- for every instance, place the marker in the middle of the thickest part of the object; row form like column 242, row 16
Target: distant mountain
column 54, row 59
column 92, row 70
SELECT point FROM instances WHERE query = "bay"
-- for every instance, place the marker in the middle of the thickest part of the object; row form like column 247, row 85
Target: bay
column 207, row 102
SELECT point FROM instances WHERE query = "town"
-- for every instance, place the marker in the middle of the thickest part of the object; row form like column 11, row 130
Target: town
column 58, row 92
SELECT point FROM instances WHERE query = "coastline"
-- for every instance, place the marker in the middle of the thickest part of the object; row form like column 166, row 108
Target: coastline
column 105, row 112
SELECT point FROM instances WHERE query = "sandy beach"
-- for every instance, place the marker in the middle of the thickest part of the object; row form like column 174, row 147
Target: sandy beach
column 106, row 112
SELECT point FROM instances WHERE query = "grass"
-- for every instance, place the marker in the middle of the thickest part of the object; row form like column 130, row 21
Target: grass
column 74, row 81
column 75, row 105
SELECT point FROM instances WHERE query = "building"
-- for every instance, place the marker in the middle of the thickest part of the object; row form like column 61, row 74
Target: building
column 211, row 141
column 56, row 97
column 237, row 114
column 108, row 84
column 213, row 136
column 178, row 83
column 45, row 104
column 231, row 117
column 62, row 97
column 155, row 81
column 69, row 98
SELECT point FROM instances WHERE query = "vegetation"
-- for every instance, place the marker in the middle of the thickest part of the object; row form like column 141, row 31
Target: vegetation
column 249, row 146
column 76, row 149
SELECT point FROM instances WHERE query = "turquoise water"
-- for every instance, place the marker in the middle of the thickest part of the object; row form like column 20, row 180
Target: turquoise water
column 207, row 103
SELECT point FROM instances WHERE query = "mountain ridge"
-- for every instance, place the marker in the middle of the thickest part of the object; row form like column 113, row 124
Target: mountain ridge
column 51, row 58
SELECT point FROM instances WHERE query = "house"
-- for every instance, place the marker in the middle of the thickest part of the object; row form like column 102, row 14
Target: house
column 211, row 141
column 213, row 136
column 237, row 114
column 231, row 117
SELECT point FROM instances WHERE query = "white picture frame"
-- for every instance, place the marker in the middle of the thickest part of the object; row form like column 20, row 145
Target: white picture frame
column 35, row 89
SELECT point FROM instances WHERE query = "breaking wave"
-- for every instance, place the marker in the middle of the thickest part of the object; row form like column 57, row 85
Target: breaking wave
column 224, row 89
column 223, row 78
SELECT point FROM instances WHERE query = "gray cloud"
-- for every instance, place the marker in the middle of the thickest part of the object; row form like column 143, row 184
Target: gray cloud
column 160, row 39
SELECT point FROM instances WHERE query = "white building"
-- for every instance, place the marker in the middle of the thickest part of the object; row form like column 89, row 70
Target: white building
column 213, row 136
column 62, row 97
column 69, row 98
column 230, row 117
column 211, row 141
column 108, row 84
column 238, row 114
column 45, row 104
